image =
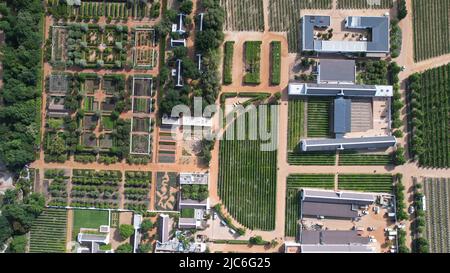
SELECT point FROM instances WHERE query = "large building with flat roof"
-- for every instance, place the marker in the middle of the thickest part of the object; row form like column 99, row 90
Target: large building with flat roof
column 377, row 42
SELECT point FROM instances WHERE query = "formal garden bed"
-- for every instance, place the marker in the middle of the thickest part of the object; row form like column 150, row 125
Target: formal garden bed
column 97, row 46
column 166, row 191
column 137, row 190
column 95, row 189
column 57, row 186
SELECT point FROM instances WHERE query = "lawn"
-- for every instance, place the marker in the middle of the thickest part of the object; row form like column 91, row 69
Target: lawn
column 187, row 213
column 107, row 123
column 366, row 182
column 88, row 219
column 296, row 121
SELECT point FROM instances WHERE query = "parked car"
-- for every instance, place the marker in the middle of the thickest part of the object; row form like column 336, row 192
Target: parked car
column 411, row 209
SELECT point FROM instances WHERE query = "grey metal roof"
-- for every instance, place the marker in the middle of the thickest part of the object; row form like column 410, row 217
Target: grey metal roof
column 379, row 26
column 332, row 237
column 332, row 210
column 383, row 142
column 163, row 227
column 379, row 42
column 308, row 24
column 336, row 249
column 315, row 194
column 342, row 115
column 336, row 71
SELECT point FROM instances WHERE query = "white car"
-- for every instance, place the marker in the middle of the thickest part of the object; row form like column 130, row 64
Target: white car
column 411, row 209
column 215, row 215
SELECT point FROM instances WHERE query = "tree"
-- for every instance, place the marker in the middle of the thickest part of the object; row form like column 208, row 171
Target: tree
column 5, row 229
column 124, row 248
column 145, row 248
column 401, row 9
column 256, row 240
column 186, row 7
column 18, row 244
column 126, row 231
column 146, row 225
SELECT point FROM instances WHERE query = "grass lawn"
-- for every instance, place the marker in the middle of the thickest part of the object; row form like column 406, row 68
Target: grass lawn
column 88, row 219
column 187, row 213
column 107, row 122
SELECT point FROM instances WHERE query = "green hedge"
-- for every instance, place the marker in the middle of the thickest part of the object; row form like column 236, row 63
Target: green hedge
column 228, row 62
column 276, row 62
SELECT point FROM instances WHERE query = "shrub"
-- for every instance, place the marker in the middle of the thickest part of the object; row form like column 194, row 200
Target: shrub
column 126, row 231
column 124, row 248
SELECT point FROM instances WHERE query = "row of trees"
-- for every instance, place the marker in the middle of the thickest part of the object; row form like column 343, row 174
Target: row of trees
column 20, row 22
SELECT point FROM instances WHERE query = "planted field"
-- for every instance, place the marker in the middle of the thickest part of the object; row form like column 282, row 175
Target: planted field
column 57, row 188
column 87, row 218
column 137, row 190
column 252, row 62
column 228, row 62
column 108, row 123
column 275, row 72
column 430, row 116
column 437, row 216
column 140, row 143
column 142, row 105
column 48, row 232
column 294, row 183
column 284, row 15
column 366, row 182
column 323, row 181
column 431, row 28
column 312, row 158
column 88, row 104
column 296, row 122
column 95, row 189
column 319, row 117
column 247, row 181
column 243, row 15
column 365, row 4
column 356, row 159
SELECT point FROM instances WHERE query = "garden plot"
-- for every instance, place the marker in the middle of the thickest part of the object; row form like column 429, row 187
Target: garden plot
column 106, row 141
column 89, row 104
column 48, row 232
column 115, row 10
column 108, row 123
column 97, row 46
column 144, row 54
column 437, row 191
column 58, row 83
column 59, row 46
column 90, row 122
column 431, row 28
column 114, row 83
column 252, row 52
column 140, row 144
column 319, row 117
column 243, row 15
column 109, row 104
column 142, row 105
column 365, row 4
column 142, row 87
column 55, row 183
column 137, row 190
column 166, row 191
column 141, row 124
column 95, row 189
column 91, row 84
column 296, row 123
column 366, row 182
column 88, row 140
column 247, row 179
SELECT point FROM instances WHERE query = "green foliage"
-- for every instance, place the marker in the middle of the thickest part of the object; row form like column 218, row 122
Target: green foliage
column 374, row 72
column 396, row 39
column 276, row 62
column 146, row 225
column 5, row 229
column 126, row 231
column 400, row 199
column 124, row 248
column 252, row 62
column 186, row 7
column 401, row 9
column 228, row 62
column 145, row 248
column 194, row 192
column 18, row 244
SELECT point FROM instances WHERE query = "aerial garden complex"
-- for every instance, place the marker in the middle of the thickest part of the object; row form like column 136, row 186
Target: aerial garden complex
column 179, row 126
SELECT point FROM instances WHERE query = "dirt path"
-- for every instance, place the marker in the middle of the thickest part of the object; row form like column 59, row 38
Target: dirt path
column 69, row 227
